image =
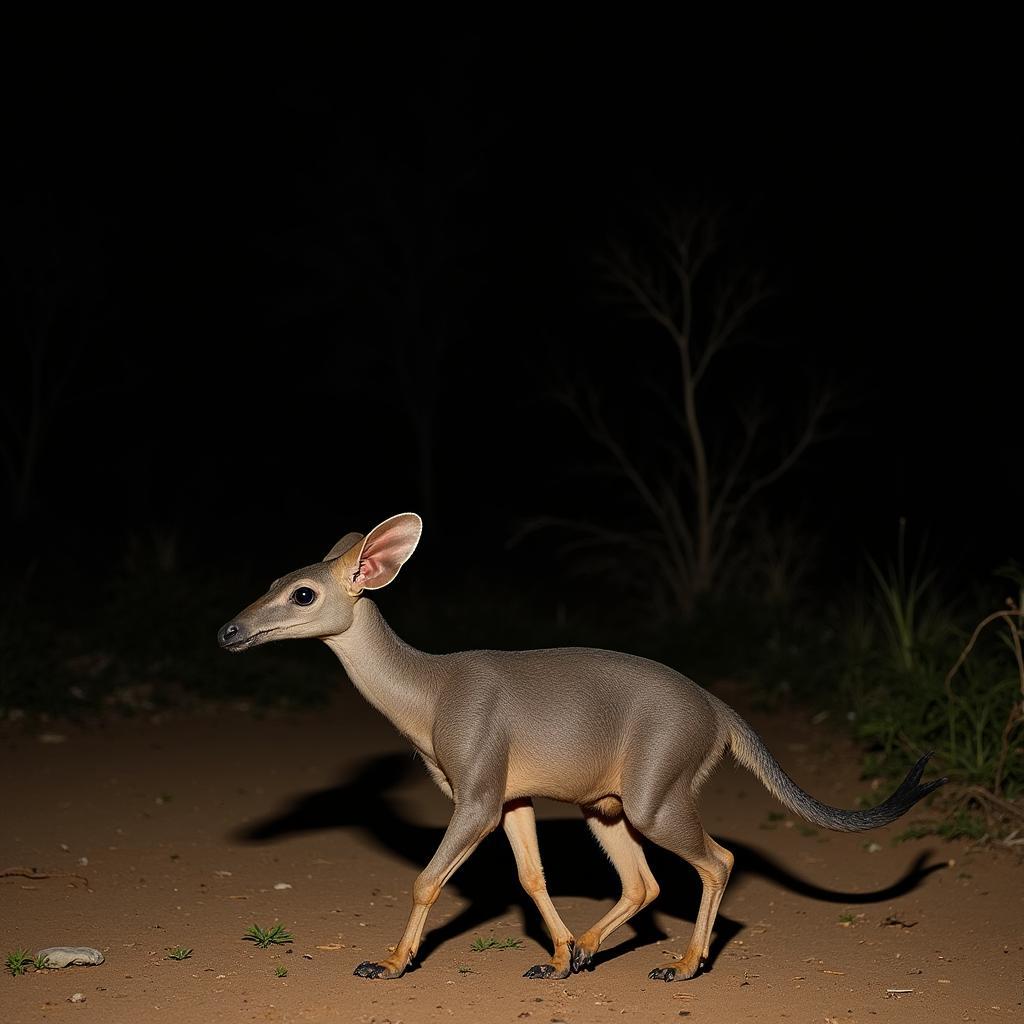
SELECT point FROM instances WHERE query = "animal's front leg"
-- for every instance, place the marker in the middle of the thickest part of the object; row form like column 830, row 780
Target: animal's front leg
column 469, row 824
column 521, row 829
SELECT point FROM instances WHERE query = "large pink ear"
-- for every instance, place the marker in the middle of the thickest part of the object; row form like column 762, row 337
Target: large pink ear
column 386, row 549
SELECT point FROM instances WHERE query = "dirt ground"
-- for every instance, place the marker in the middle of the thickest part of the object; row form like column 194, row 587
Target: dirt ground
column 189, row 831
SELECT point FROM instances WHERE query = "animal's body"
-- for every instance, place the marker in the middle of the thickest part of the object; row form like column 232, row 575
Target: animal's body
column 627, row 739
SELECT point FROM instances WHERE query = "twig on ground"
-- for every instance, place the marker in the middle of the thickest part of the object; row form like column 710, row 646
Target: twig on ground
column 32, row 873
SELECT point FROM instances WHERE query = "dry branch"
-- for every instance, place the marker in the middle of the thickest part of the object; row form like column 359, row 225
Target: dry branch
column 698, row 500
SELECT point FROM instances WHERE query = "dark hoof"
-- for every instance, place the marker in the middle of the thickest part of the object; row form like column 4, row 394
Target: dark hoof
column 368, row 969
column 580, row 960
column 663, row 974
column 542, row 971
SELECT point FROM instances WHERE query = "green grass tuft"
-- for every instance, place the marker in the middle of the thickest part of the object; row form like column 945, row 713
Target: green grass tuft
column 179, row 953
column 265, row 937
column 479, row 945
column 18, row 962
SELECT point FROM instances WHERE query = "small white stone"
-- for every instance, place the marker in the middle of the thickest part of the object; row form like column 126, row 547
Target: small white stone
column 77, row 998
column 282, row 885
column 68, row 956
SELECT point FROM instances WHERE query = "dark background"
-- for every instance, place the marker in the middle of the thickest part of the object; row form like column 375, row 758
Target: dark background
column 255, row 279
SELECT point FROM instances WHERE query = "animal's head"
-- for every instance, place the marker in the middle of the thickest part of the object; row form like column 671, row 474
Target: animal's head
column 318, row 601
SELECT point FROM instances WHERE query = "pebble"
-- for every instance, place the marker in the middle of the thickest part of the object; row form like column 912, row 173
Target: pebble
column 70, row 956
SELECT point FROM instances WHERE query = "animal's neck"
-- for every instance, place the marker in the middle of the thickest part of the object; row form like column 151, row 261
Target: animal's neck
column 394, row 677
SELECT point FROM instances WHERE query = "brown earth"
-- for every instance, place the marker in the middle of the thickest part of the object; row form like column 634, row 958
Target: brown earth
column 188, row 828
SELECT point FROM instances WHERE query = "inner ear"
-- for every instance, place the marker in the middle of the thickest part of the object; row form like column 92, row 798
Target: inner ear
column 386, row 549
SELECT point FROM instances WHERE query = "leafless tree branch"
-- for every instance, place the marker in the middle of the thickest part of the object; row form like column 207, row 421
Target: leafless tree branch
column 810, row 433
column 696, row 502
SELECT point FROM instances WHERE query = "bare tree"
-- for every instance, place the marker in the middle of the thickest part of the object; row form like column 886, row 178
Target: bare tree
column 697, row 502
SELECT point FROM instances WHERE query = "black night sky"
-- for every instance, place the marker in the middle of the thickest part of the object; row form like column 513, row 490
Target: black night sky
column 290, row 303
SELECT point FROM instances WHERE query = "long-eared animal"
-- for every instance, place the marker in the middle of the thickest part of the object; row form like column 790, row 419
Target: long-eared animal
column 627, row 739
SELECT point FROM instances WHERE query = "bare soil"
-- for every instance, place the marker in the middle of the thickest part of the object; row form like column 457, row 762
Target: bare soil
column 188, row 831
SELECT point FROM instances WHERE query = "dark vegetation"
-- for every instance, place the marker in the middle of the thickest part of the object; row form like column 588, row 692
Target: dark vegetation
column 668, row 395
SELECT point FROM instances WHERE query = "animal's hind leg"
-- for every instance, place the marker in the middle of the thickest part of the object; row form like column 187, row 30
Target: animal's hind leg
column 714, row 865
column 521, row 829
column 639, row 887
column 674, row 824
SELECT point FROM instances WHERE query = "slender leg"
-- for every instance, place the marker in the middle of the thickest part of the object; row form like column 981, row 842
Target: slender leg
column 714, row 865
column 469, row 825
column 521, row 829
column 639, row 887
column 674, row 824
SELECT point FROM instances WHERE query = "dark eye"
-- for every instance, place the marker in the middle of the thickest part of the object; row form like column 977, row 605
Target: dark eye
column 304, row 596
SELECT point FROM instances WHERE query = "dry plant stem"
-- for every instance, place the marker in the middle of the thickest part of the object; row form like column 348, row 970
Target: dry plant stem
column 1012, row 720
column 1016, row 709
column 999, row 803
column 997, row 812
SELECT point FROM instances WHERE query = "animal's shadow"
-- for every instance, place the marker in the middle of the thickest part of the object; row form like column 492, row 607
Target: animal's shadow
column 573, row 863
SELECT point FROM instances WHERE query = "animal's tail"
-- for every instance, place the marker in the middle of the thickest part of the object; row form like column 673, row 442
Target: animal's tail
column 750, row 751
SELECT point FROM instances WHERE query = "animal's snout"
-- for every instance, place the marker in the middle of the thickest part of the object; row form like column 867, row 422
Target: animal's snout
column 230, row 634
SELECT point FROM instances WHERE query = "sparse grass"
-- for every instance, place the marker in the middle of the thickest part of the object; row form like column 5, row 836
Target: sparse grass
column 18, row 962
column 179, row 953
column 281, row 971
column 463, row 969
column 41, row 963
column 904, row 712
column 847, row 919
column 912, row 671
column 266, row 937
column 902, row 596
column 959, row 824
column 479, row 945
